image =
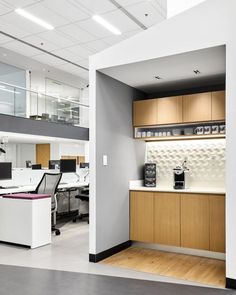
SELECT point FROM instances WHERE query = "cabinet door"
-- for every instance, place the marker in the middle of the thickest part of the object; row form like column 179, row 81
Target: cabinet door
column 197, row 107
column 145, row 112
column 167, row 219
column 141, row 216
column 169, row 110
column 195, row 221
column 218, row 105
column 217, row 223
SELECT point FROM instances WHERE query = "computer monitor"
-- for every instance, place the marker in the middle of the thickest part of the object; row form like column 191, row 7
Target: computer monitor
column 67, row 165
column 5, row 170
column 28, row 164
column 84, row 165
column 36, row 166
column 53, row 164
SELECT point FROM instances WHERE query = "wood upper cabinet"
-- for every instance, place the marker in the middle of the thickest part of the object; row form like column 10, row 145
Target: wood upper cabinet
column 145, row 112
column 169, row 110
column 141, row 216
column 197, row 107
column 195, row 216
column 218, row 105
column 167, row 219
column 217, row 223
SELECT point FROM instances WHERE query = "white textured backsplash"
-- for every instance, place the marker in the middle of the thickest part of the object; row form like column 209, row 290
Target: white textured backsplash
column 205, row 160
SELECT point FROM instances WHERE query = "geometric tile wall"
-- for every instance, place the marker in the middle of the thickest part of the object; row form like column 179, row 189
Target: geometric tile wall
column 205, row 160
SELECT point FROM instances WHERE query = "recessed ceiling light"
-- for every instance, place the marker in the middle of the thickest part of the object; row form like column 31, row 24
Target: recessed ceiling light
column 34, row 19
column 106, row 24
column 196, row 72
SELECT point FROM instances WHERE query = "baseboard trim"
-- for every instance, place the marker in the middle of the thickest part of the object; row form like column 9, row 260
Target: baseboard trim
column 109, row 252
column 230, row 283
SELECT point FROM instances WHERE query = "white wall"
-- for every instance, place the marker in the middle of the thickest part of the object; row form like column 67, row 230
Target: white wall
column 19, row 153
column 177, row 6
column 211, row 23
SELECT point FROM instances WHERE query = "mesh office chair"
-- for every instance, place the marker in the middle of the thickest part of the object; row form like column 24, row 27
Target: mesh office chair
column 48, row 185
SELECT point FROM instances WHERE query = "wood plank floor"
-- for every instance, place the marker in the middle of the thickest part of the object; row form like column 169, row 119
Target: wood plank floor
column 192, row 268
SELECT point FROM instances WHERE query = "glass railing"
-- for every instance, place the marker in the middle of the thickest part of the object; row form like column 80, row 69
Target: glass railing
column 21, row 102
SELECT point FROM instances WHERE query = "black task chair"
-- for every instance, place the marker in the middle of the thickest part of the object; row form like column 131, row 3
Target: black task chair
column 83, row 196
column 48, row 185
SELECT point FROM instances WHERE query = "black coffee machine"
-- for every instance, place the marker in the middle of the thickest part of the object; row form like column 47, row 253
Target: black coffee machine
column 150, row 174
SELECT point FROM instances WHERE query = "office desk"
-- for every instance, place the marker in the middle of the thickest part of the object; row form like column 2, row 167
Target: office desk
column 31, row 188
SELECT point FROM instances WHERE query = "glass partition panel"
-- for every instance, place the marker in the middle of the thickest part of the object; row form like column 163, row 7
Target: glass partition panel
column 7, row 99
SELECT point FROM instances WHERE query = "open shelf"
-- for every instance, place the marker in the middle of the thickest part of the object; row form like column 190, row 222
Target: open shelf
column 182, row 137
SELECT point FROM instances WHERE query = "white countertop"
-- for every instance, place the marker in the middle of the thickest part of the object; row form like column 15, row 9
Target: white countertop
column 137, row 186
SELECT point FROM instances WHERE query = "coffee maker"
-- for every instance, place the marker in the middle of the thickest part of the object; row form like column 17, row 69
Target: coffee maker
column 181, row 176
column 150, row 174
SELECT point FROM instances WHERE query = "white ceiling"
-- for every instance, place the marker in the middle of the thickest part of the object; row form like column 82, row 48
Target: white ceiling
column 174, row 71
column 76, row 35
column 27, row 138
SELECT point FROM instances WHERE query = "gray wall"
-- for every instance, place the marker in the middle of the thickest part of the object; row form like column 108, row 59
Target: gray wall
column 28, row 126
column 114, row 138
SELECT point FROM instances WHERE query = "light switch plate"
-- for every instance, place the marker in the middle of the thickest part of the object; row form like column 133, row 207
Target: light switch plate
column 104, row 160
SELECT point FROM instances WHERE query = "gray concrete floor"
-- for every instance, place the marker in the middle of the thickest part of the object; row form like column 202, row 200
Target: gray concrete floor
column 69, row 252
column 27, row 281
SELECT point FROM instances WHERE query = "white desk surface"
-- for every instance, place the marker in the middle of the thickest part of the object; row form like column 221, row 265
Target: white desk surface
column 29, row 188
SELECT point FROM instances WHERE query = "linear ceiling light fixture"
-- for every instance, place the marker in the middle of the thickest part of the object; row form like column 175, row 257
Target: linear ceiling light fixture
column 106, row 24
column 34, row 19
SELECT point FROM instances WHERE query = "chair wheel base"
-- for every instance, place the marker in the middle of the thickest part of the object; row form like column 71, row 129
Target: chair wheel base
column 57, row 232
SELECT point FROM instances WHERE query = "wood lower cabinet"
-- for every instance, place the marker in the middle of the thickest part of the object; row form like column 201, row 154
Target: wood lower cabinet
column 184, row 220
column 145, row 112
column 169, row 110
column 218, row 105
column 141, row 216
column 217, row 223
column 195, row 230
column 197, row 107
column 167, row 219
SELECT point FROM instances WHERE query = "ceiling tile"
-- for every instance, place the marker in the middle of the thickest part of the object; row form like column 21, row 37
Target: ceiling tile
column 96, row 46
column 4, row 39
column 66, row 10
column 21, row 23
column 66, row 54
column 57, row 38
column 48, row 59
column 129, row 2
column 75, row 70
column 120, row 20
column 80, row 51
column 47, row 15
column 84, row 63
column 37, row 41
column 21, row 48
column 80, row 35
column 132, row 33
column 94, row 6
column 97, row 30
column 145, row 13
column 111, row 40
column 11, row 29
column 4, row 9
column 20, row 3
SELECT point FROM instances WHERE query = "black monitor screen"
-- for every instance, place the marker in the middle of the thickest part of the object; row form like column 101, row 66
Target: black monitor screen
column 5, row 170
column 36, row 167
column 84, row 165
column 67, row 166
